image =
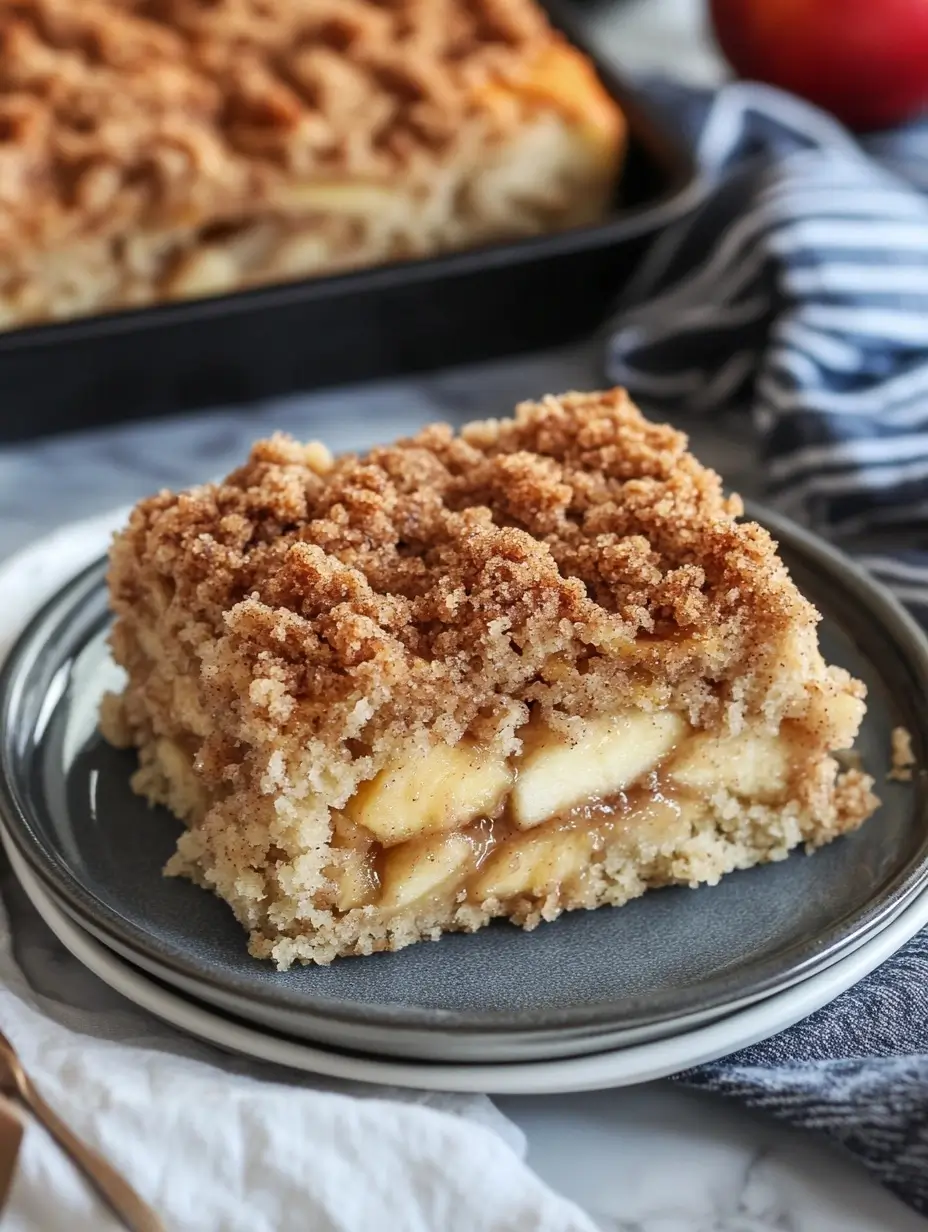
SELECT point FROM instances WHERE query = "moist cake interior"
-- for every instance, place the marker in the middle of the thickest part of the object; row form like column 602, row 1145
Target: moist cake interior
column 535, row 666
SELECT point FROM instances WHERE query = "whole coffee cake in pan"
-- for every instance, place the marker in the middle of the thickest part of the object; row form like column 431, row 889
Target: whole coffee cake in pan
column 162, row 149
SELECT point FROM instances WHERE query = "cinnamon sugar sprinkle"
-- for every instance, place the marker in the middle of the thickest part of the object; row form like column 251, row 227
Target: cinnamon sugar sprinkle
column 570, row 556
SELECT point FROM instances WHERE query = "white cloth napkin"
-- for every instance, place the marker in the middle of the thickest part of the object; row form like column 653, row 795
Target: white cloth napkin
column 219, row 1144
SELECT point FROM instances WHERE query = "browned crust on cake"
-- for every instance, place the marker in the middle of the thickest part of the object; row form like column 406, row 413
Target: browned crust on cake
column 290, row 628
column 577, row 553
column 124, row 114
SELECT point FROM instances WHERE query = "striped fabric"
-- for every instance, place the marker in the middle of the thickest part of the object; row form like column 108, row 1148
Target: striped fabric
column 796, row 293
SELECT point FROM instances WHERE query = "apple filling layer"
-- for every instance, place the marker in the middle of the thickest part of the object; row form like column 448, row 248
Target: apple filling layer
column 462, row 824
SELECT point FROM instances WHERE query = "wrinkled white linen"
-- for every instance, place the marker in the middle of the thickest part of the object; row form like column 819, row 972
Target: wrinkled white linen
column 223, row 1144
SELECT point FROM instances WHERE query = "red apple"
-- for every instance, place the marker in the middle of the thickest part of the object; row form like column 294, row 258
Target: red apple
column 864, row 60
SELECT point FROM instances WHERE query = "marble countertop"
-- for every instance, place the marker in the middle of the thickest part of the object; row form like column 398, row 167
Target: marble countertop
column 649, row 1159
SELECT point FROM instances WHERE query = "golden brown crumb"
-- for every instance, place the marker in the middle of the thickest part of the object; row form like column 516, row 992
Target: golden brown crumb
column 903, row 758
column 149, row 113
column 577, row 536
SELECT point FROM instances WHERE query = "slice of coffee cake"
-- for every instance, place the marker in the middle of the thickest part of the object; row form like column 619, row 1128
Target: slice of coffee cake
column 535, row 666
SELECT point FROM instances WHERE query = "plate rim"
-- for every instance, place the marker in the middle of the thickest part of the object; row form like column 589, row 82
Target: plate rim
column 868, row 920
column 613, row 1068
column 430, row 1045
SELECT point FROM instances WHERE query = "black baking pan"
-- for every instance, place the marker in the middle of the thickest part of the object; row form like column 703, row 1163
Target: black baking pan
column 382, row 322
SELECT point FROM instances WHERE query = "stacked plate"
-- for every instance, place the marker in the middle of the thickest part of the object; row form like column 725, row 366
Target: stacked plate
column 596, row 999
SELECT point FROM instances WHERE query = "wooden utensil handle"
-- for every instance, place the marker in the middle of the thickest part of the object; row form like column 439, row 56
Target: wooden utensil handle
column 122, row 1199
column 11, row 1136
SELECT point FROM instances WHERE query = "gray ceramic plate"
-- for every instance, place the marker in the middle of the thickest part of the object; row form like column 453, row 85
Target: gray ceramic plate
column 590, row 981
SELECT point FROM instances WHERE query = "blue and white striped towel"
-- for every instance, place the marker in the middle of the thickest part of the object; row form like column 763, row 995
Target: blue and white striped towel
column 796, row 292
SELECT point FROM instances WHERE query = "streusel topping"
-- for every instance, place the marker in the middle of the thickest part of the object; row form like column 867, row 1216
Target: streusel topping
column 161, row 112
column 570, row 557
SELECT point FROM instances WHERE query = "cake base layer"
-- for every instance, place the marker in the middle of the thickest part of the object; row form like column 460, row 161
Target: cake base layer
column 667, row 829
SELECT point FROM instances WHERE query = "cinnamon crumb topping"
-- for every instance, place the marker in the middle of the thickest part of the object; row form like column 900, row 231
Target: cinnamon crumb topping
column 565, row 558
column 154, row 113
